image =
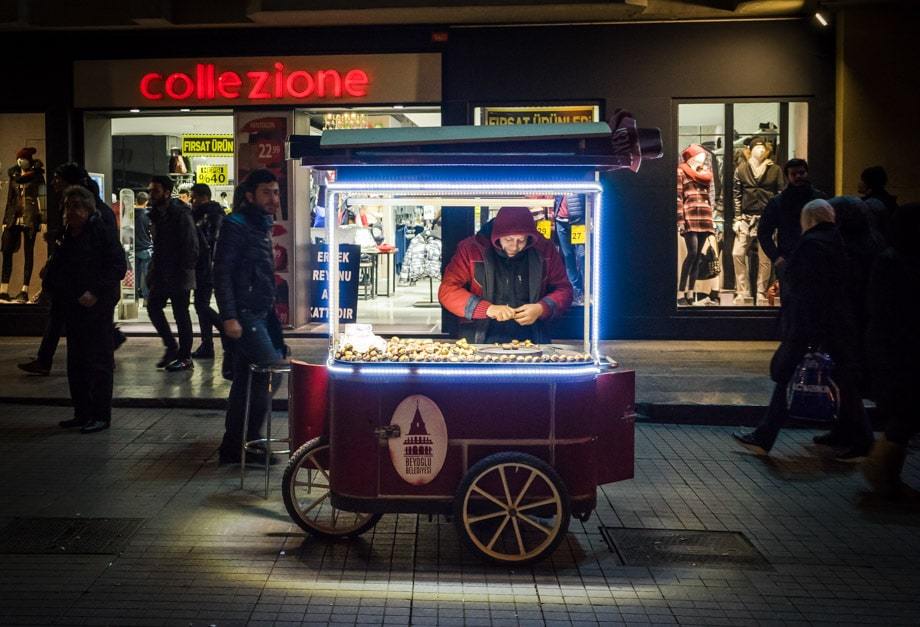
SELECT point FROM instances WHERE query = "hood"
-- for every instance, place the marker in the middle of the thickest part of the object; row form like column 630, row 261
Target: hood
column 513, row 221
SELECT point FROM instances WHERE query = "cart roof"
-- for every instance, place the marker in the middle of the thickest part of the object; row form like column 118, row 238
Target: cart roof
column 586, row 145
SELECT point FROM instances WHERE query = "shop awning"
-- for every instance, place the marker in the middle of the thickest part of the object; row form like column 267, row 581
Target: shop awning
column 587, row 145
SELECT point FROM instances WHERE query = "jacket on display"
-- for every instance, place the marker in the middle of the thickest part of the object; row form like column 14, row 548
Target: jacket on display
column 781, row 217
column 469, row 284
column 208, row 217
column 818, row 310
column 243, row 271
column 574, row 208
column 694, row 204
column 92, row 261
column 752, row 193
column 175, row 246
column 422, row 259
column 22, row 204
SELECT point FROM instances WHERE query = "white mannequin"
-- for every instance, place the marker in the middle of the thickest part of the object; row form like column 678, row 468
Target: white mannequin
column 758, row 160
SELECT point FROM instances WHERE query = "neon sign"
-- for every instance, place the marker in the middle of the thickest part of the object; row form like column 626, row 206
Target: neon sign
column 279, row 83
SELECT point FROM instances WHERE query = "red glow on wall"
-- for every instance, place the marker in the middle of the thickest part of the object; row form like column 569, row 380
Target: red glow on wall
column 278, row 83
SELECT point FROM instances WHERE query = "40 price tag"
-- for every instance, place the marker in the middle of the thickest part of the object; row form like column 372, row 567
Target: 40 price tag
column 212, row 174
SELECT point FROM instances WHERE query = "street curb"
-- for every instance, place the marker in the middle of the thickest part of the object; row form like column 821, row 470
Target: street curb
column 647, row 413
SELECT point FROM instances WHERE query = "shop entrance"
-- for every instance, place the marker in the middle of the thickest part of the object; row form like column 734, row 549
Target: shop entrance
column 125, row 149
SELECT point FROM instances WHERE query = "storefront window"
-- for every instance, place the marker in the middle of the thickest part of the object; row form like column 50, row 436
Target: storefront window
column 729, row 169
column 399, row 270
column 25, row 209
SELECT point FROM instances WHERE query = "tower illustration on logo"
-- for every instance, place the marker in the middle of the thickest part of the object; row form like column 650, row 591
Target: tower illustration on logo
column 418, row 454
column 418, row 446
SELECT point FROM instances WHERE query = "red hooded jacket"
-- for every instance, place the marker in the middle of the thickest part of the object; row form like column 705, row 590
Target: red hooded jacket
column 469, row 279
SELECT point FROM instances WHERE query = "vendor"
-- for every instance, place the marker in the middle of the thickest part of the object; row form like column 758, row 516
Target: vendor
column 506, row 282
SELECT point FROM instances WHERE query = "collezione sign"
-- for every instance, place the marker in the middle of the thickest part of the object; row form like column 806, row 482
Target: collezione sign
column 275, row 83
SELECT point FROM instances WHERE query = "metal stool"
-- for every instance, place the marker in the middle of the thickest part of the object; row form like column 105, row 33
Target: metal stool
column 265, row 443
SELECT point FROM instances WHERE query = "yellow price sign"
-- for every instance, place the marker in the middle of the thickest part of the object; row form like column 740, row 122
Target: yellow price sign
column 212, row 174
column 578, row 234
column 545, row 228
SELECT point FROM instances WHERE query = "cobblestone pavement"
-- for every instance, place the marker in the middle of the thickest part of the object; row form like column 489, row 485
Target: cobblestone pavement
column 207, row 553
column 683, row 373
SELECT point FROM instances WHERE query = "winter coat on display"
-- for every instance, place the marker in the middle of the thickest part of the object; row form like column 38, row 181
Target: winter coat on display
column 175, row 246
column 694, row 204
column 819, row 311
column 22, row 205
column 243, row 271
column 208, row 217
column 422, row 260
column 469, row 284
column 575, row 208
column 781, row 217
column 751, row 193
column 92, row 261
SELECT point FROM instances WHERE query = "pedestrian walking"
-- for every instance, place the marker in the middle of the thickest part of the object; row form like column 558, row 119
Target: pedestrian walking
column 84, row 274
column 817, row 314
column 779, row 229
column 208, row 216
column 245, row 287
column 143, row 244
column 893, row 343
column 63, row 177
column 882, row 205
column 172, row 272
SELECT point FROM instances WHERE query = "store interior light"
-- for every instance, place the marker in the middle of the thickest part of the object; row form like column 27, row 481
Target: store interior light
column 821, row 19
column 135, row 110
column 185, row 110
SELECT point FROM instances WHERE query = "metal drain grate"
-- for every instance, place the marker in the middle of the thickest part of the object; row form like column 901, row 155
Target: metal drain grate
column 73, row 536
column 683, row 548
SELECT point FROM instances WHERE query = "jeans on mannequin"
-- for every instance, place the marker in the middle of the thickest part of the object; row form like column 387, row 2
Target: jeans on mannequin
column 28, row 250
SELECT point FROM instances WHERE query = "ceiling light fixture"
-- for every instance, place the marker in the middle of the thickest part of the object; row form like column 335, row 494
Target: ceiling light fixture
column 135, row 110
column 821, row 19
column 185, row 110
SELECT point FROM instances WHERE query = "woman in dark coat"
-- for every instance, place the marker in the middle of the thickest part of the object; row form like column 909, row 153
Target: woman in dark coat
column 817, row 313
column 84, row 276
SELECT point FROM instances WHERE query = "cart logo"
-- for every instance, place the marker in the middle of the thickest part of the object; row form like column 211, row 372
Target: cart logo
column 418, row 455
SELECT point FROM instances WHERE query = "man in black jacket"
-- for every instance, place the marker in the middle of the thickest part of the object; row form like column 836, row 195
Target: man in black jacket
column 780, row 217
column 63, row 177
column 208, row 216
column 84, row 275
column 244, row 283
column 818, row 313
column 172, row 271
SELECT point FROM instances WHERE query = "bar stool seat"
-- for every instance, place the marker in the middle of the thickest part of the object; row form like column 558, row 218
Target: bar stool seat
column 262, row 444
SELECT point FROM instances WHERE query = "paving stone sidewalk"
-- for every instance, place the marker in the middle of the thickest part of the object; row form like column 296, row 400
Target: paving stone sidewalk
column 706, row 382
column 207, row 553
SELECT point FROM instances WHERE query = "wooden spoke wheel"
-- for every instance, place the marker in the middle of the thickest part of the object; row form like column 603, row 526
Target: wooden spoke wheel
column 512, row 508
column 305, row 487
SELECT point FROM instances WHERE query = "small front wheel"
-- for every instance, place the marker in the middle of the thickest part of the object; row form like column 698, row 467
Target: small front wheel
column 305, row 487
column 512, row 509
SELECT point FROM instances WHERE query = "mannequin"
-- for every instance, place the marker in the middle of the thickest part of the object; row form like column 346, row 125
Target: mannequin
column 22, row 220
column 694, row 214
column 757, row 179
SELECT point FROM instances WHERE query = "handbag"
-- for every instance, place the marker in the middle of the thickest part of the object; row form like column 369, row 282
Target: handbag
column 812, row 393
column 709, row 265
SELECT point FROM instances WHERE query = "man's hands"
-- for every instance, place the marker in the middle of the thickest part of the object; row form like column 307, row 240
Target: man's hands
column 233, row 329
column 88, row 299
column 524, row 315
column 528, row 314
column 502, row 313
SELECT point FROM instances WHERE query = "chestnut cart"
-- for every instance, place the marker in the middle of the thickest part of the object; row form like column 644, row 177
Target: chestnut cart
column 510, row 441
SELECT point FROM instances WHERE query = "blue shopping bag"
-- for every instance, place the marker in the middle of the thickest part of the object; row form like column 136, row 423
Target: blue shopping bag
column 812, row 393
